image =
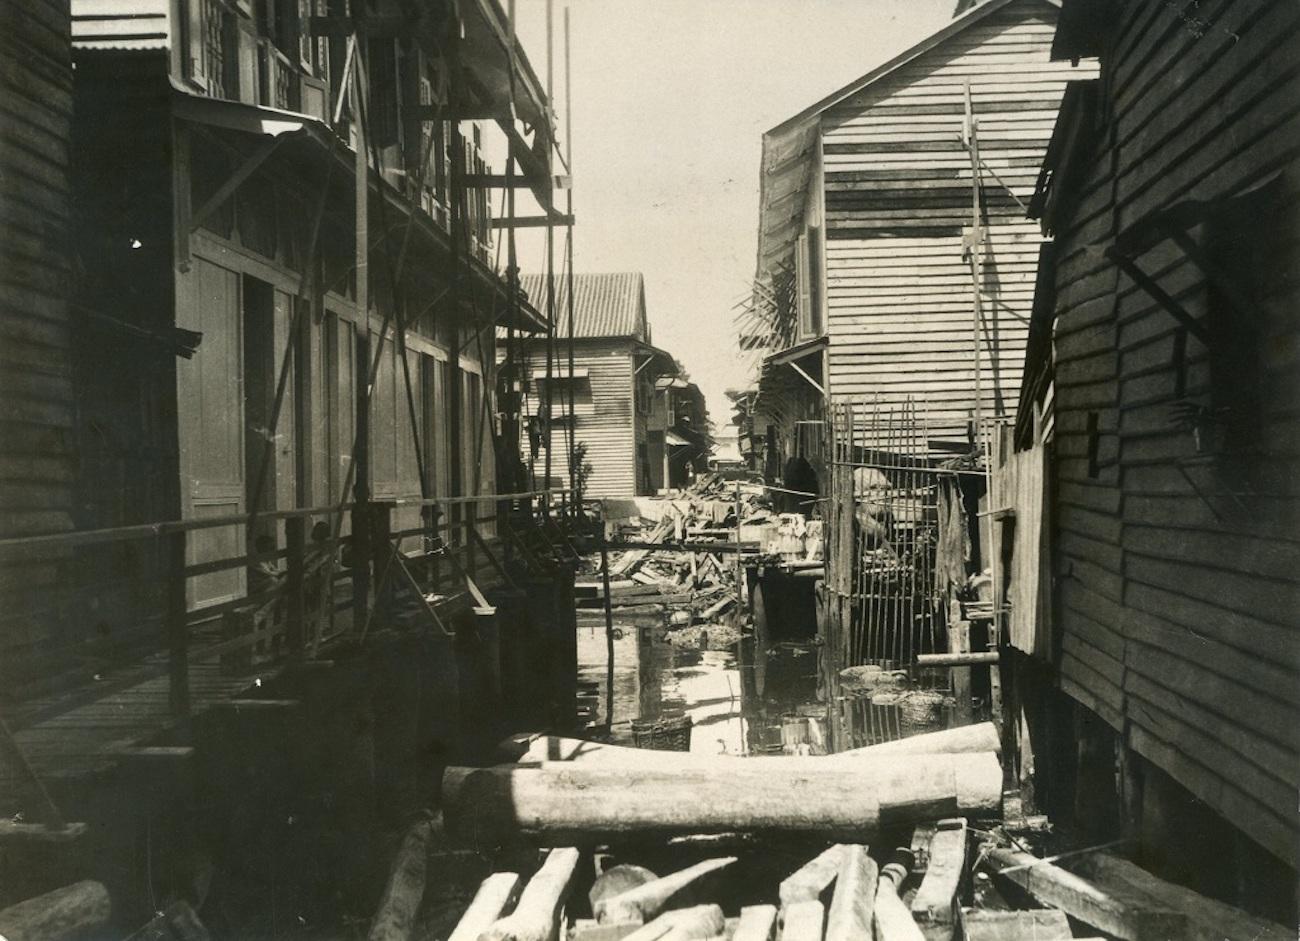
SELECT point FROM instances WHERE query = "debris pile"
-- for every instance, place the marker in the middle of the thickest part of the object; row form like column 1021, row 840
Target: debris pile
column 909, row 840
column 681, row 553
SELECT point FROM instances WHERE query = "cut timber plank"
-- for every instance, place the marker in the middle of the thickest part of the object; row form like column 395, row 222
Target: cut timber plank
column 855, row 896
column 757, row 923
column 537, row 916
column 646, row 901
column 1208, row 920
column 814, row 877
column 404, row 892
column 78, row 910
column 1122, row 915
column 586, row 929
column 1043, row 924
column 803, row 921
column 493, row 899
column 935, row 906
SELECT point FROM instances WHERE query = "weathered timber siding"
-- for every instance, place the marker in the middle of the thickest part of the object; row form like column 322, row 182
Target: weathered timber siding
column 36, row 414
column 37, row 410
column 605, row 417
column 1178, row 581
column 898, row 198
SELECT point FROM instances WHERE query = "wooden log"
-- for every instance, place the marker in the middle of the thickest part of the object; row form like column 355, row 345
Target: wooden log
column 810, row 880
column 616, row 880
column 563, row 801
column 645, row 901
column 757, row 923
column 683, row 924
column 74, row 911
column 1208, row 919
column 537, row 916
column 1040, row 924
column 1123, row 915
column 935, row 905
column 854, row 901
column 533, row 748
column 493, row 899
column 404, row 892
column 803, row 921
column 890, row 918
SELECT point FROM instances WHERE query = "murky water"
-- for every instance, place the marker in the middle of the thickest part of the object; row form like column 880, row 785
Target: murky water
column 749, row 694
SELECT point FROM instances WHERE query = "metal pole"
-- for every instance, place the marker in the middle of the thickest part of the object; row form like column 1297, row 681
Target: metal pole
column 568, row 153
column 550, row 258
column 361, row 462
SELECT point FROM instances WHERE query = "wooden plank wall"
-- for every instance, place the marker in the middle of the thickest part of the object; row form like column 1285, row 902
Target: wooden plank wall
column 605, row 416
column 897, row 198
column 1178, row 589
column 36, row 396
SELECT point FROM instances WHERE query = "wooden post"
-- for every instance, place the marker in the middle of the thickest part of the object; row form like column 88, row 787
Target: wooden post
column 740, row 564
column 757, row 923
column 609, row 627
column 361, row 457
column 976, row 260
column 294, row 608
column 178, row 633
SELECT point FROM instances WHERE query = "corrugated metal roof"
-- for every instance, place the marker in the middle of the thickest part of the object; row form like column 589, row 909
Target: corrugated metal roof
column 120, row 24
column 604, row 305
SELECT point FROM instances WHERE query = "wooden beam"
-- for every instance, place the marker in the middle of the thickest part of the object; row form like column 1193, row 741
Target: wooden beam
column 891, row 918
column 935, row 905
column 13, row 832
column 645, row 901
column 395, row 918
column 1159, row 295
column 803, row 921
column 757, row 923
column 810, row 880
column 956, row 659
column 1040, row 924
column 226, row 189
column 78, row 910
column 376, row 26
column 493, row 899
column 502, row 181
column 537, row 916
column 533, row 222
column 854, row 902
column 1120, row 914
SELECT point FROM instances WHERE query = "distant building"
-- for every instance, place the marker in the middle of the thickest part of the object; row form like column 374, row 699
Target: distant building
column 612, row 384
column 678, row 434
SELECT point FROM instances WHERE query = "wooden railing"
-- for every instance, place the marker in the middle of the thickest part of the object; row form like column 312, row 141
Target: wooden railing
column 297, row 596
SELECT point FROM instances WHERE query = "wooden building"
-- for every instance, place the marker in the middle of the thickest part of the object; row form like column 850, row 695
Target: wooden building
column 37, row 408
column 1164, row 391
column 217, row 198
column 677, row 433
column 611, row 385
column 864, row 283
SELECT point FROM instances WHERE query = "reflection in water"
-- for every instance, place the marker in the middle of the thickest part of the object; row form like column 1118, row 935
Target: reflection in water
column 751, row 696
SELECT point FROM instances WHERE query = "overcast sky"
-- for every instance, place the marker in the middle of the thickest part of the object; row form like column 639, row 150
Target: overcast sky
column 670, row 102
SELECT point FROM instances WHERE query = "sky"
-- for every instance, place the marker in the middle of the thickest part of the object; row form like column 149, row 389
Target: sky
column 670, row 102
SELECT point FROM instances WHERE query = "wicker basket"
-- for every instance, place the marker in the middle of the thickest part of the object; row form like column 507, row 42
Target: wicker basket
column 666, row 733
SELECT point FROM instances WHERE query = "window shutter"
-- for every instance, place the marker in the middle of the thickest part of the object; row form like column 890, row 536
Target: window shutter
column 195, row 38
column 801, row 278
column 813, row 262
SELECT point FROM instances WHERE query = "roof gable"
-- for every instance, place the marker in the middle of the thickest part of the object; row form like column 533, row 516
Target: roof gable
column 604, row 305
